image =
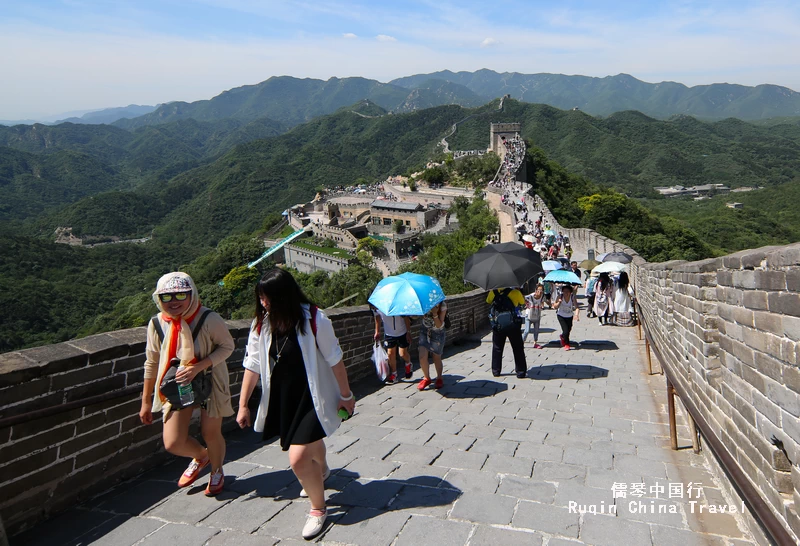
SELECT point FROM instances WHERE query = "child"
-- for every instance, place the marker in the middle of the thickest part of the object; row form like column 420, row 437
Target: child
column 566, row 307
column 533, row 303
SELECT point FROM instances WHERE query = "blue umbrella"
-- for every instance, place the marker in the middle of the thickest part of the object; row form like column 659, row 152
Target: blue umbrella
column 406, row 294
column 550, row 265
column 563, row 276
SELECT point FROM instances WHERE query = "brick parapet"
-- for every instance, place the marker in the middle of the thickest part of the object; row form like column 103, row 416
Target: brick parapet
column 50, row 463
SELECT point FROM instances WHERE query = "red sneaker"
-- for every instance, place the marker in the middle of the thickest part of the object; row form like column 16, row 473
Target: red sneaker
column 439, row 383
column 537, row 346
column 561, row 337
column 423, row 384
column 409, row 372
column 192, row 471
column 567, row 347
column 215, row 483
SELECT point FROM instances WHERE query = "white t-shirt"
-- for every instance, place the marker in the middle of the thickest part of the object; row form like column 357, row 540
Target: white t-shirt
column 392, row 326
column 567, row 308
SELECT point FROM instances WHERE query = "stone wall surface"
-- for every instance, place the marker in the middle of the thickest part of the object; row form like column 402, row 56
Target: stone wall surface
column 51, row 461
column 728, row 330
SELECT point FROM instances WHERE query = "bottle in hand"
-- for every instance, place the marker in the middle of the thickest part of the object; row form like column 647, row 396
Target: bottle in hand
column 185, row 393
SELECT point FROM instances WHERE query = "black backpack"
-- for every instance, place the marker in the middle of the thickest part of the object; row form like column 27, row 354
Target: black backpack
column 503, row 313
column 201, row 384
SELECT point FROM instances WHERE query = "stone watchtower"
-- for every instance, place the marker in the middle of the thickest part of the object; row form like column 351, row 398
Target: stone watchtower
column 499, row 130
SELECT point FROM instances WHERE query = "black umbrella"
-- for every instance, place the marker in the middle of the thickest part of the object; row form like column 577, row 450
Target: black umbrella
column 502, row 266
column 620, row 257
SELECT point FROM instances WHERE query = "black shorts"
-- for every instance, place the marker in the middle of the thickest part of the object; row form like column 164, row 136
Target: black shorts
column 390, row 342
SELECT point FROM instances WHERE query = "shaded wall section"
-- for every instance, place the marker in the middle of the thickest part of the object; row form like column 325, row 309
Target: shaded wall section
column 57, row 449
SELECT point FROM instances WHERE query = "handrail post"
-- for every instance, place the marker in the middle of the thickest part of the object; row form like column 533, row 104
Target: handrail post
column 673, row 428
column 649, row 359
column 693, row 431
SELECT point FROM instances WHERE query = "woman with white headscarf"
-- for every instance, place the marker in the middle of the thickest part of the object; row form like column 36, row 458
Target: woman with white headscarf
column 170, row 336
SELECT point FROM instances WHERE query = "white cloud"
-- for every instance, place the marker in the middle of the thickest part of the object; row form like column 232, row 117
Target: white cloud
column 50, row 70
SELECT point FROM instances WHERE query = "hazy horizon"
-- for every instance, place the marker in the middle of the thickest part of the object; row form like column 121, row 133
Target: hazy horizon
column 74, row 56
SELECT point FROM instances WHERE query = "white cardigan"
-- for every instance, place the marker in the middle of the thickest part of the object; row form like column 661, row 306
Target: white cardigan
column 321, row 381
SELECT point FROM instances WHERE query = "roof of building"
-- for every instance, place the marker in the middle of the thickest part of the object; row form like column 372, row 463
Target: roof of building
column 395, row 205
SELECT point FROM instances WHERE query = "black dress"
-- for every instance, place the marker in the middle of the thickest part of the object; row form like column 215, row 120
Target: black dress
column 291, row 414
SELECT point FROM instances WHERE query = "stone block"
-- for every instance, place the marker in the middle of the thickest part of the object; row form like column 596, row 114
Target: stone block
column 785, row 303
column 425, row 530
column 606, row 531
column 371, row 494
column 101, row 347
column 484, row 508
column 428, row 501
column 486, row 535
column 546, row 518
column 367, row 526
column 786, row 399
column 454, row 458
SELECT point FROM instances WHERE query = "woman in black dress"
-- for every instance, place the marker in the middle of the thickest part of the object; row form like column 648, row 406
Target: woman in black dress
column 294, row 350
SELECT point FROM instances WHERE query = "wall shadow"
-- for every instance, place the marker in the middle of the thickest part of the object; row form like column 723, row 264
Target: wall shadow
column 566, row 371
column 455, row 388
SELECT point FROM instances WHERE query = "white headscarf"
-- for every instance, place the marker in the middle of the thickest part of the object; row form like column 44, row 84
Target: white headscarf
column 178, row 342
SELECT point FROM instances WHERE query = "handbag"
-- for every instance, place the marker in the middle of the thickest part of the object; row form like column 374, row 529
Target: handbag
column 201, row 386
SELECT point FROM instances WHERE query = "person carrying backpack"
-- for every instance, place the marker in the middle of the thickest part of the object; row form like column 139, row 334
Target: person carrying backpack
column 186, row 333
column 504, row 314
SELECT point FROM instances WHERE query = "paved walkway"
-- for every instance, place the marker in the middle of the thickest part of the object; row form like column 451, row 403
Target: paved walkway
column 483, row 461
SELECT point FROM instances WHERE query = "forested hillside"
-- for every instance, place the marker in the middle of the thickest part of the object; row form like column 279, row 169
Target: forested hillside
column 203, row 203
column 604, row 96
column 45, row 167
column 634, row 153
column 294, row 101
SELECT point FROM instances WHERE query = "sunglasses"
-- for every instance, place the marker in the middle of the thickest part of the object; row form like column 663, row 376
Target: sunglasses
column 180, row 296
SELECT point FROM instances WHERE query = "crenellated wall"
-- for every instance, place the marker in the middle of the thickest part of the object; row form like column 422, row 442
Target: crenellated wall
column 729, row 330
column 56, row 450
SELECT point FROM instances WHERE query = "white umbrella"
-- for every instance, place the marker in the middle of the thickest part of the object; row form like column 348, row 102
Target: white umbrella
column 529, row 238
column 609, row 267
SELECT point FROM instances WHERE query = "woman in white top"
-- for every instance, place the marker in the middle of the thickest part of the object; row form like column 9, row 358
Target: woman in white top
column 533, row 314
column 294, row 350
column 566, row 308
column 622, row 301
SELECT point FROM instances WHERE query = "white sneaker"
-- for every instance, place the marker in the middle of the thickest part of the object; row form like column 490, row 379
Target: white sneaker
column 314, row 525
column 325, row 476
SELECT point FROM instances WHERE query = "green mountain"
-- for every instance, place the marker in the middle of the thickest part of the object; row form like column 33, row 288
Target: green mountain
column 30, row 183
column 202, row 215
column 294, row 101
column 43, row 167
column 604, row 96
column 634, row 153
column 110, row 115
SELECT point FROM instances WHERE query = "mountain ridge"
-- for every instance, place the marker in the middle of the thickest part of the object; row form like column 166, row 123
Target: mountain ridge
column 609, row 94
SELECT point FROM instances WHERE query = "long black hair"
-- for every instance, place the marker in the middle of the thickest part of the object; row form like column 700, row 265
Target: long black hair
column 603, row 282
column 285, row 301
column 622, row 282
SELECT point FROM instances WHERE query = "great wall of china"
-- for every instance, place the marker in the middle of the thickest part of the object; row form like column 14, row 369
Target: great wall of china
column 725, row 331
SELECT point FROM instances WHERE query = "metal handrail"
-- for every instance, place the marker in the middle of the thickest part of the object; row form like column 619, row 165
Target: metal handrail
column 746, row 489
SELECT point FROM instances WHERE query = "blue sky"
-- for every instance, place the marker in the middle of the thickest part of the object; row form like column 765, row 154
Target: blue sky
column 70, row 55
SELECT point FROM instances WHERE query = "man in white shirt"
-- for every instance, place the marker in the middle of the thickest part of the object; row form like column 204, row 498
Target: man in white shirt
column 397, row 334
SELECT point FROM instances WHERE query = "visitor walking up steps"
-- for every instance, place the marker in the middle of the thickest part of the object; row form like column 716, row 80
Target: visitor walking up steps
column 506, row 321
column 396, row 338
column 533, row 314
column 293, row 349
column 197, row 339
column 566, row 308
column 432, row 335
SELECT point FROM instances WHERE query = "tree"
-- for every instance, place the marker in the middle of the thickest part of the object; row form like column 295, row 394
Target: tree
column 370, row 245
column 397, row 226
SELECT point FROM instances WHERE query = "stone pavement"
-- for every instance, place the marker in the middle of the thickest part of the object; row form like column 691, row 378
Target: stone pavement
column 483, row 461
